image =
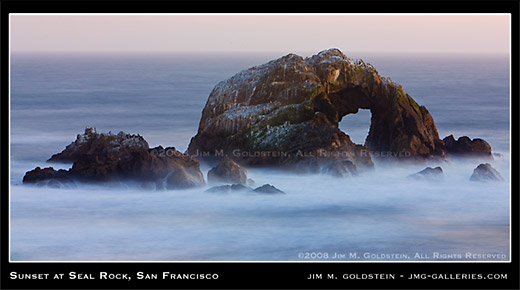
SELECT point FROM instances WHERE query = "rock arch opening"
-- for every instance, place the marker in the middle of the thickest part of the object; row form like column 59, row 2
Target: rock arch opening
column 356, row 125
column 397, row 123
column 354, row 112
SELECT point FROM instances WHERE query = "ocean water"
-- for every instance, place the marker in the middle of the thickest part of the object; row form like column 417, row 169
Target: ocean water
column 379, row 215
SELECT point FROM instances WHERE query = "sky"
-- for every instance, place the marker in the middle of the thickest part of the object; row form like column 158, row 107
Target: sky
column 397, row 33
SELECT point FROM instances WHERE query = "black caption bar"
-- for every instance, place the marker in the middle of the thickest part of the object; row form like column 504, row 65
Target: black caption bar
column 258, row 275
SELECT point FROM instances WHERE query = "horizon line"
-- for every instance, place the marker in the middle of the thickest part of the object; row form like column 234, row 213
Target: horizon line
column 283, row 52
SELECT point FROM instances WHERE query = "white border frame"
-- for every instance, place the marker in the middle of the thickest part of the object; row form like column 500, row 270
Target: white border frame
column 266, row 14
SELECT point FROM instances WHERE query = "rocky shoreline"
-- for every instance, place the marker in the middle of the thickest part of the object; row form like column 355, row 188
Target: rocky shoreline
column 284, row 113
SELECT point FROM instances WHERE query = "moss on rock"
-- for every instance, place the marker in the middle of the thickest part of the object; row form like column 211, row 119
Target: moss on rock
column 294, row 103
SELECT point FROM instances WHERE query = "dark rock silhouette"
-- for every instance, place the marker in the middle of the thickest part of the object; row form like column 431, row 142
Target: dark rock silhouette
column 229, row 188
column 264, row 189
column 465, row 147
column 39, row 174
column 429, row 174
column 227, row 171
column 268, row 189
column 109, row 157
column 91, row 143
column 485, row 172
column 288, row 109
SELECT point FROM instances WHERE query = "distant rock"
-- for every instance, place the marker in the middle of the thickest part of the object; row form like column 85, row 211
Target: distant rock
column 288, row 110
column 229, row 188
column 227, row 171
column 264, row 189
column 498, row 156
column 268, row 189
column 465, row 147
column 429, row 174
column 485, row 172
column 109, row 157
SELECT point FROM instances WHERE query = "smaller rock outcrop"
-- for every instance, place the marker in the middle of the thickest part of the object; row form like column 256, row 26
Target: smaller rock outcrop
column 498, row 156
column 229, row 188
column 429, row 174
column 37, row 175
column 93, row 143
column 110, row 157
column 267, row 188
column 227, row 171
column 485, row 172
column 465, row 147
column 181, row 177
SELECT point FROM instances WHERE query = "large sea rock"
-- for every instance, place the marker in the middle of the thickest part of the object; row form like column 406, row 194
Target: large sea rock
column 118, row 157
column 287, row 111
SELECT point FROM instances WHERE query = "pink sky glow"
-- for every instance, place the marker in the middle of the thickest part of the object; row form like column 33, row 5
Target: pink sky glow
column 460, row 33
